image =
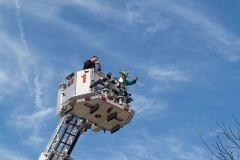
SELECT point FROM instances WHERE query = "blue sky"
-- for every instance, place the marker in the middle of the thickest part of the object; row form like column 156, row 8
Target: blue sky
column 186, row 54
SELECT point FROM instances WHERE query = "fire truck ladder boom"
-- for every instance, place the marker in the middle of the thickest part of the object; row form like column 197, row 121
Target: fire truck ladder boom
column 88, row 99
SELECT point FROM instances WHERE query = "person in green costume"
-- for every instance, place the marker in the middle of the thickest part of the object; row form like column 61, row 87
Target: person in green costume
column 123, row 78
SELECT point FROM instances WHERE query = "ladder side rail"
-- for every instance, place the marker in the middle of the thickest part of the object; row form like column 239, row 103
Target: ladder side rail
column 55, row 134
column 59, row 141
column 62, row 145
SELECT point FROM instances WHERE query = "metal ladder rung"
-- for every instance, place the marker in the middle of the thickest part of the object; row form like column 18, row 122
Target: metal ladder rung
column 66, row 143
column 70, row 134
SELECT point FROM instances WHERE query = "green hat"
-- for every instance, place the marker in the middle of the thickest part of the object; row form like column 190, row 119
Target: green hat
column 125, row 72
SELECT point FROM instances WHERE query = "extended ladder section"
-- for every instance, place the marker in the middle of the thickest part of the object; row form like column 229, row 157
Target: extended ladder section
column 64, row 138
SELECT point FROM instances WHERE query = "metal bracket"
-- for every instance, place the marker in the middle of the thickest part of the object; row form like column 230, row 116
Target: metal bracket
column 65, row 156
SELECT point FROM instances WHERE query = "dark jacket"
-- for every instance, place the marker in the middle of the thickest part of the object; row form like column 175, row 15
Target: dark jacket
column 88, row 64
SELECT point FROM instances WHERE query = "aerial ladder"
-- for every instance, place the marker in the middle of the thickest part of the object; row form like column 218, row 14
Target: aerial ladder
column 88, row 99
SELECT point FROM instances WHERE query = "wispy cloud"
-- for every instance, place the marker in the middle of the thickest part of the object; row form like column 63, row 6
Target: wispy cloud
column 150, row 146
column 52, row 15
column 20, row 67
column 220, row 40
column 129, row 14
column 168, row 74
column 38, row 93
column 3, row 77
column 9, row 154
column 20, row 26
column 14, row 64
column 34, row 140
column 132, row 11
column 183, row 150
column 4, row 1
column 135, row 12
column 94, row 6
column 25, row 71
column 159, row 25
column 147, row 106
column 26, row 121
column 161, row 88
column 30, row 122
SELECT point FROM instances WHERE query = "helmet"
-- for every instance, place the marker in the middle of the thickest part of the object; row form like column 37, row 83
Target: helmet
column 125, row 72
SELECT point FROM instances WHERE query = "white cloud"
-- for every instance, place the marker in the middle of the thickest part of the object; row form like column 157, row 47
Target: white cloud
column 16, row 60
column 161, row 88
column 182, row 149
column 23, row 70
column 15, row 65
column 9, row 154
column 33, row 124
column 159, row 25
column 147, row 106
column 135, row 12
column 38, row 93
column 51, row 13
column 167, row 74
column 30, row 118
column 20, row 26
column 94, row 6
column 4, row 2
column 3, row 76
column 32, row 121
column 221, row 41
column 108, row 10
column 142, row 144
column 34, row 140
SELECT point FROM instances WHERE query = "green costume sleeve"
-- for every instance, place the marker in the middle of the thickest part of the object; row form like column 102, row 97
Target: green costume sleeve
column 127, row 82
